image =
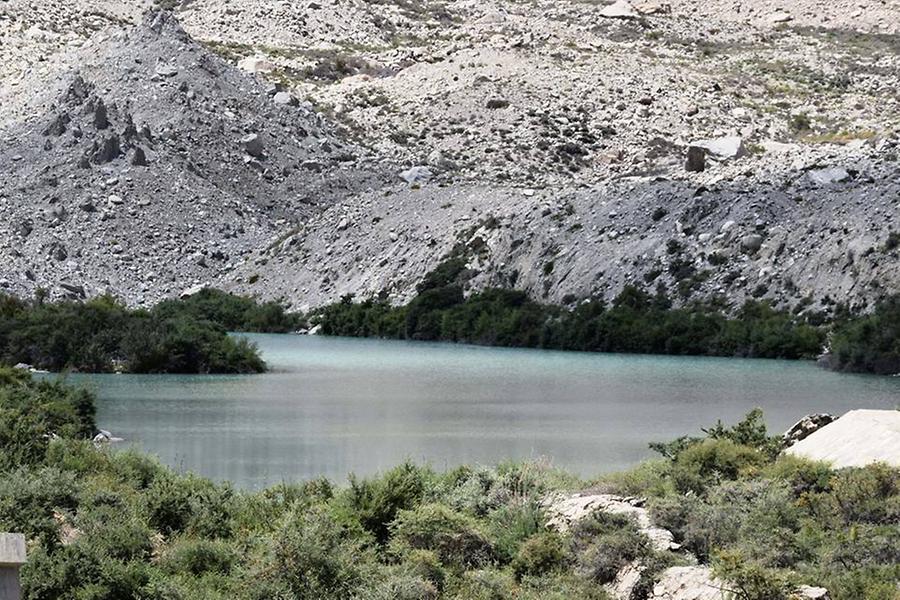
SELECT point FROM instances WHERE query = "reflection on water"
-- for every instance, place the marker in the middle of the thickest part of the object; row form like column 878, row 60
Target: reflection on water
column 333, row 406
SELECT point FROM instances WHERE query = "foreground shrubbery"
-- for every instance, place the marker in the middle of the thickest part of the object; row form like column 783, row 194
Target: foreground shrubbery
column 108, row 525
column 102, row 335
column 635, row 322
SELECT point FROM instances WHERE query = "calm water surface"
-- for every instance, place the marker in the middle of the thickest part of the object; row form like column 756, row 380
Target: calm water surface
column 332, row 406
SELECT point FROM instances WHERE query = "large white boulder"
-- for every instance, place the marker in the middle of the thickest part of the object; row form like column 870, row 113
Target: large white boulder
column 688, row 583
column 859, row 438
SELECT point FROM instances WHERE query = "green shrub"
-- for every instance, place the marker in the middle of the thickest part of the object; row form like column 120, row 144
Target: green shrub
column 748, row 581
column 511, row 525
column 539, row 555
column 426, row 566
column 102, row 335
column 377, row 501
column 29, row 499
column 712, row 461
column 603, row 543
column 869, row 344
column 33, row 412
column 315, row 558
column 198, row 557
column 455, row 538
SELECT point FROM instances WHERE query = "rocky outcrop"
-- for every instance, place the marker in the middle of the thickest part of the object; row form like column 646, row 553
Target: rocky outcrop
column 804, row 427
column 564, row 511
column 157, row 166
column 688, row 583
column 858, row 438
column 492, row 111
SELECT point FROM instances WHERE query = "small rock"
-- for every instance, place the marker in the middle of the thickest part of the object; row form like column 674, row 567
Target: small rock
column 696, row 159
column 780, row 16
column 255, row 65
column 621, row 9
column 252, row 145
column 416, row 175
column 828, row 175
column 73, row 290
column 723, row 148
column 808, row 592
column 165, row 70
column 751, row 243
column 284, row 99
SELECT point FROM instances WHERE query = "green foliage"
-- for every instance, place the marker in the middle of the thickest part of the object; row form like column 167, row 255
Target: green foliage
column 604, row 543
column 117, row 525
column 313, row 557
column 869, row 344
column 33, row 412
column 636, row 322
column 539, row 555
column 234, row 313
column 376, row 502
column 102, row 335
column 456, row 539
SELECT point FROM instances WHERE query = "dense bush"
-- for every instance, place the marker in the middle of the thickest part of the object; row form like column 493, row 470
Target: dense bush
column 102, row 335
column 455, row 538
column 234, row 313
column 117, row 525
column 635, row 322
column 871, row 343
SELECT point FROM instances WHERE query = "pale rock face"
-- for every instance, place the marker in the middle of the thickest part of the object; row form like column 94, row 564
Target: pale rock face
column 255, row 65
column 806, row 592
column 856, row 439
column 828, row 176
column 621, row 9
column 723, row 148
column 688, row 583
column 565, row 511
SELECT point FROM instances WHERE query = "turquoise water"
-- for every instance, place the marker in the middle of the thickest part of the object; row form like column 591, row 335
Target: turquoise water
column 332, row 406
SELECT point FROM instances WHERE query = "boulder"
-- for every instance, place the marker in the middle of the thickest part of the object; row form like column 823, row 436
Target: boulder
column 722, row 148
column 688, row 583
column 751, row 243
column 255, row 65
column 284, row 98
column 252, row 145
column 859, row 438
column 620, row 9
column 416, row 175
column 805, row 426
column 696, row 159
column 828, row 175
column 565, row 511
column 626, row 579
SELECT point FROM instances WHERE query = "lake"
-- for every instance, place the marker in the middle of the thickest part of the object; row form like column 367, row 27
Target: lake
column 331, row 406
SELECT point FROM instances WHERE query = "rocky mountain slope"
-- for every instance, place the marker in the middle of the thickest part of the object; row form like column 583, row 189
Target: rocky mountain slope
column 154, row 166
column 547, row 140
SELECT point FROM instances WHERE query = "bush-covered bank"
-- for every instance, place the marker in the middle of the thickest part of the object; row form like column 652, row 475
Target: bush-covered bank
column 103, row 335
column 118, row 526
column 636, row 321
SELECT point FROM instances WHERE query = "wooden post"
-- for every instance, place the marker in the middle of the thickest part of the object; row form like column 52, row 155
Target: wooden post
column 12, row 557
